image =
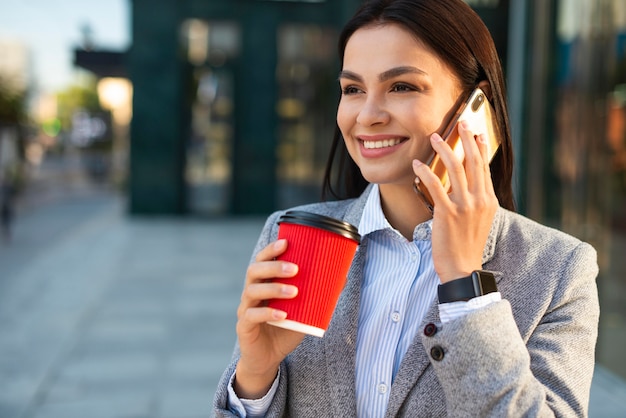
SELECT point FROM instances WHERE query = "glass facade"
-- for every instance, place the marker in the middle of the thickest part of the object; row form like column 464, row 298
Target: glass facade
column 590, row 152
column 566, row 76
column 305, row 109
column 573, row 164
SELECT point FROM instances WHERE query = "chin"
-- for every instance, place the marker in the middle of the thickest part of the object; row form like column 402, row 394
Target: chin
column 385, row 178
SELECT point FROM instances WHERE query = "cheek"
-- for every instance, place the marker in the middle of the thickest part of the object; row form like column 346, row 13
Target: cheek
column 345, row 122
column 344, row 117
column 422, row 121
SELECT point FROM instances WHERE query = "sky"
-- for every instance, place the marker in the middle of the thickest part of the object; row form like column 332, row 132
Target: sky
column 51, row 29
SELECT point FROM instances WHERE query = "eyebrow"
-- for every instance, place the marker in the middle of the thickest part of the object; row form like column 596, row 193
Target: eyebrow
column 387, row 75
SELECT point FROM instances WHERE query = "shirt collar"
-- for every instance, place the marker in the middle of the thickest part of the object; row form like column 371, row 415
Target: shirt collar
column 373, row 219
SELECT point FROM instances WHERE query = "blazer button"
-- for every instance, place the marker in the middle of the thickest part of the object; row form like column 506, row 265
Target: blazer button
column 437, row 353
column 430, row 329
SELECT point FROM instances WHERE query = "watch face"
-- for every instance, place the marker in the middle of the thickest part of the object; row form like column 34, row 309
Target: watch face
column 487, row 282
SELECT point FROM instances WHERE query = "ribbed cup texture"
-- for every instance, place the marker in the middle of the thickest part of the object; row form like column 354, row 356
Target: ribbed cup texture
column 324, row 259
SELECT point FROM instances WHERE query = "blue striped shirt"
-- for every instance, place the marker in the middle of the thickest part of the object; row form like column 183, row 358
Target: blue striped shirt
column 398, row 287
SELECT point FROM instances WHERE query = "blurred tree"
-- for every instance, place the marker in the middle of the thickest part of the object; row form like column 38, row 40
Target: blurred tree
column 13, row 120
column 12, row 105
column 75, row 98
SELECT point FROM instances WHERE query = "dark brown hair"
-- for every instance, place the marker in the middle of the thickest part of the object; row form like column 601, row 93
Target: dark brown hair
column 460, row 38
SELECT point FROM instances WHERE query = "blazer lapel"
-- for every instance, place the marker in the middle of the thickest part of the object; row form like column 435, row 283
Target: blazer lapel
column 413, row 365
column 340, row 342
column 340, row 338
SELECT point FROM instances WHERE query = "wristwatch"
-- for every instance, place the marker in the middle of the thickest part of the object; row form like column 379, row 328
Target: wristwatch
column 479, row 283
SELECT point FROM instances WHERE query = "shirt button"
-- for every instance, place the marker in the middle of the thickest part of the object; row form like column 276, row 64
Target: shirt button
column 382, row 388
column 395, row 317
column 430, row 329
column 437, row 353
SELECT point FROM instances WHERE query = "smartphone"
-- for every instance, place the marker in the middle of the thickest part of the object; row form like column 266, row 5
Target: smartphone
column 479, row 113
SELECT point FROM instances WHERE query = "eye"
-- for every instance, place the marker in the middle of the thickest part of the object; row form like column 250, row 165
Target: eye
column 350, row 90
column 403, row 87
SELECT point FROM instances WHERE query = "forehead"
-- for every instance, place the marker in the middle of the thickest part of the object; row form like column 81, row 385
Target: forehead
column 390, row 45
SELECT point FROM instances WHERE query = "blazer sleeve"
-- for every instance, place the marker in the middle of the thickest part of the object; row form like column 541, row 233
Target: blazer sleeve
column 220, row 401
column 488, row 369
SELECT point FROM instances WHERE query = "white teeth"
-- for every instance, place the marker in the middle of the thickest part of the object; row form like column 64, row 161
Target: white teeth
column 381, row 144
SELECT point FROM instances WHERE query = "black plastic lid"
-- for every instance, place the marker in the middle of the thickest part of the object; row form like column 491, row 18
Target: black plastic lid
column 323, row 222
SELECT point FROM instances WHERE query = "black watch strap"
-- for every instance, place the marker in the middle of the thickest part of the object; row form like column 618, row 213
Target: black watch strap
column 479, row 283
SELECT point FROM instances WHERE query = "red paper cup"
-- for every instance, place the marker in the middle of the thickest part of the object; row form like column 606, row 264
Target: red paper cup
column 323, row 249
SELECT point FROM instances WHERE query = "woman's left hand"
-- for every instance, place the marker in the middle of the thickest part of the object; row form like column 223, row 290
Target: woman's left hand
column 462, row 218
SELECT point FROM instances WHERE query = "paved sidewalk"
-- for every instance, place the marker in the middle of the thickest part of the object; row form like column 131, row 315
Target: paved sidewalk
column 103, row 315
column 117, row 317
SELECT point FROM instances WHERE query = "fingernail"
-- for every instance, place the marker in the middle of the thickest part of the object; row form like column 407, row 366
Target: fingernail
column 436, row 138
column 289, row 290
column 417, row 163
column 289, row 268
column 276, row 314
column 279, row 244
column 464, row 124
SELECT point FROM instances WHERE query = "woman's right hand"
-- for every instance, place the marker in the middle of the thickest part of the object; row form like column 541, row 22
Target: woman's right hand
column 263, row 347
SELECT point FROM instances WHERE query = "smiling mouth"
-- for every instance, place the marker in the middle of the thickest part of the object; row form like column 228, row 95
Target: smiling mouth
column 382, row 144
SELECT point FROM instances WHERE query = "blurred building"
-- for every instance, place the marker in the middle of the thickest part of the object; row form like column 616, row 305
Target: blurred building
column 234, row 103
column 566, row 72
column 573, row 142
column 234, row 107
column 15, row 65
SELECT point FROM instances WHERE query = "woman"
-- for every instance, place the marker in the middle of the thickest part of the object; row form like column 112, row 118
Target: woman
column 401, row 341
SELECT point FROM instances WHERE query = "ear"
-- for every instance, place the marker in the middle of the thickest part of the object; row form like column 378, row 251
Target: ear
column 486, row 87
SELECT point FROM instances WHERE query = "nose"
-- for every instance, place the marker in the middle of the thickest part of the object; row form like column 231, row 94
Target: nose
column 372, row 113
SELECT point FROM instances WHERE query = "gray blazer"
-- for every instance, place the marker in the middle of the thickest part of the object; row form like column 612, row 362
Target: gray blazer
column 532, row 354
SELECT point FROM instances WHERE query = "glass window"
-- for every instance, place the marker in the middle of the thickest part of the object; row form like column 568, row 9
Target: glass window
column 211, row 48
column 306, row 76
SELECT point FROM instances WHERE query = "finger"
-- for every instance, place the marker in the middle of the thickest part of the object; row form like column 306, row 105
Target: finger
column 453, row 164
column 272, row 250
column 252, row 317
column 263, row 270
column 474, row 159
column 256, row 294
column 471, row 145
column 426, row 176
column 483, row 145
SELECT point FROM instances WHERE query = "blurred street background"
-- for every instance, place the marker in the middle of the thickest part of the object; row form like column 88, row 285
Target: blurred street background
column 143, row 143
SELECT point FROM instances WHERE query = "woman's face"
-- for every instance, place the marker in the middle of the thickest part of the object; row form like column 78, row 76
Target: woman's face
column 395, row 93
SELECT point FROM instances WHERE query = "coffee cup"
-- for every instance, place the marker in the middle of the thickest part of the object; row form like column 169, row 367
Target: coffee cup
column 323, row 248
